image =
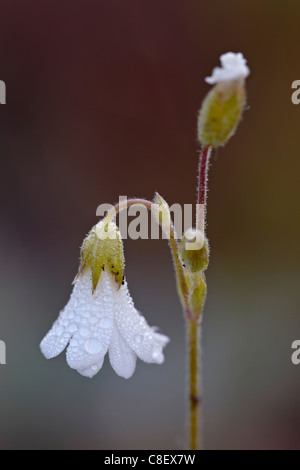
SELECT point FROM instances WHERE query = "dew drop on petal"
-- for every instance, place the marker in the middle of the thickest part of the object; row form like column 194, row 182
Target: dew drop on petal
column 93, row 346
column 59, row 330
column 72, row 328
column 83, row 331
column 139, row 339
column 106, row 322
column 157, row 354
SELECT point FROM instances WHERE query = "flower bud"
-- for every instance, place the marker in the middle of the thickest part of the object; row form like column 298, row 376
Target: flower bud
column 102, row 250
column 223, row 106
column 161, row 211
column 193, row 251
column 197, row 297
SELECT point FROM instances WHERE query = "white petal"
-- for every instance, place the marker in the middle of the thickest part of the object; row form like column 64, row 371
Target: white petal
column 143, row 339
column 91, row 371
column 58, row 337
column 95, row 318
column 121, row 356
column 233, row 68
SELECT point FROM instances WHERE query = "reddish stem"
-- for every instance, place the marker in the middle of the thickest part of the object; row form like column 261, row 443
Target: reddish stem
column 202, row 187
column 202, row 175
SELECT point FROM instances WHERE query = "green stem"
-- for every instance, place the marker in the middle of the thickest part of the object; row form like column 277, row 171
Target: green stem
column 195, row 399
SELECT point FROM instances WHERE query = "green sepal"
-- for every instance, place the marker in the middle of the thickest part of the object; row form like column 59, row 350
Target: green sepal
column 102, row 250
column 220, row 113
column 194, row 260
column 197, row 296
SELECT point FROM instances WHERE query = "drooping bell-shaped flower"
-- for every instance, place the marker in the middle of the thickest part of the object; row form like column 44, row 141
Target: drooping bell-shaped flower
column 100, row 316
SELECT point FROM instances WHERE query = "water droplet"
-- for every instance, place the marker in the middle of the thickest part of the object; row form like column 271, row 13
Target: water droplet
column 139, row 339
column 93, row 320
column 83, row 331
column 106, row 322
column 59, row 330
column 157, row 355
column 72, row 328
column 93, row 346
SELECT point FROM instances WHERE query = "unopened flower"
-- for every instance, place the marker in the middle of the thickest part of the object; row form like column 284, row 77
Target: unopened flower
column 101, row 318
column 233, row 68
column 223, row 106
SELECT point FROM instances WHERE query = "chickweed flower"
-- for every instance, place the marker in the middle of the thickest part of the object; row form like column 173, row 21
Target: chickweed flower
column 100, row 316
column 233, row 68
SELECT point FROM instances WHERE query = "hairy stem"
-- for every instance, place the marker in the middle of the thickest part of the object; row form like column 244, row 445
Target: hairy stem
column 202, row 187
column 193, row 324
column 195, row 399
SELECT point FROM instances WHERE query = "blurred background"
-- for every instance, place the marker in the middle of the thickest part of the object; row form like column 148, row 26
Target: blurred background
column 102, row 101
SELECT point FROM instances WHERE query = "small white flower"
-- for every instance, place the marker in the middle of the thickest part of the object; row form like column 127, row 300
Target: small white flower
column 233, row 68
column 106, row 320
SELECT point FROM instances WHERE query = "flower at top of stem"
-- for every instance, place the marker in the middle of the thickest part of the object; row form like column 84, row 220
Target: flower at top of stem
column 223, row 106
column 233, row 68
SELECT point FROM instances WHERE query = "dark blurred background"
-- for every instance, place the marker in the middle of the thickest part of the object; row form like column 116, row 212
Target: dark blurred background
column 102, row 101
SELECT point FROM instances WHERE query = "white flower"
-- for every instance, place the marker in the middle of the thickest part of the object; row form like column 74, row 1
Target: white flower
column 233, row 68
column 106, row 320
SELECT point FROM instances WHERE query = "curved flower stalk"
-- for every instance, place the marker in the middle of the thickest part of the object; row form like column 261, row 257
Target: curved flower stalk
column 100, row 316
